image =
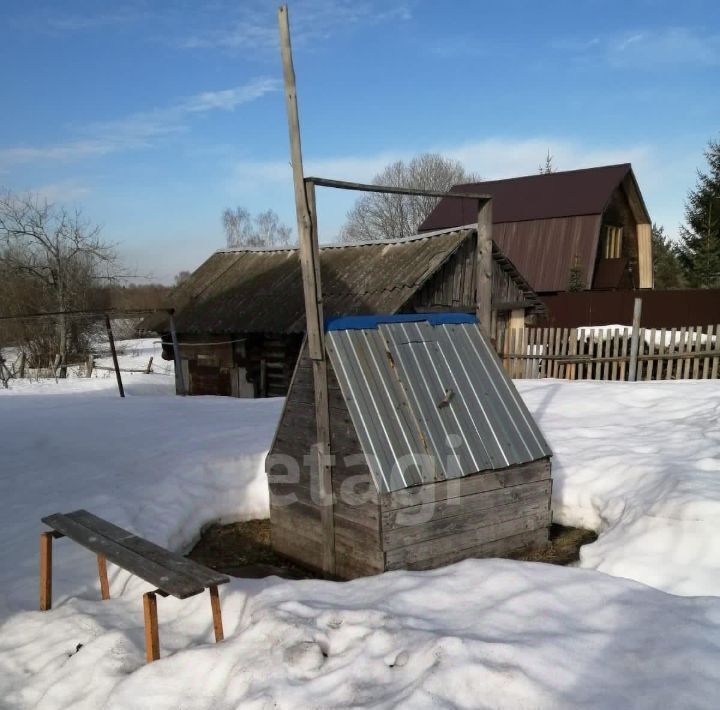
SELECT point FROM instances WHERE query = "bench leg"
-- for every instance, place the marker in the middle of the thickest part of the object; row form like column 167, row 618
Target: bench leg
column 46, row 539
column 152, row 638
column 216, row 613
column 102, row 573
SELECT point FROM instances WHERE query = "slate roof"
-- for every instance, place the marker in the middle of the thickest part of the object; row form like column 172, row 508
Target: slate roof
column 260, row 290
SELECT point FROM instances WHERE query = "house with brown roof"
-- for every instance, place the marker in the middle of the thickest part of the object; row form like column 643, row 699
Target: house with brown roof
column 592, row 222
column 240, row 317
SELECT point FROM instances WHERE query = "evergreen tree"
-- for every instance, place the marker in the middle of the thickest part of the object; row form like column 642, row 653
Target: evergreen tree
column 667, row 271
column 699, row 249
column 548, row 167
column 576, row 282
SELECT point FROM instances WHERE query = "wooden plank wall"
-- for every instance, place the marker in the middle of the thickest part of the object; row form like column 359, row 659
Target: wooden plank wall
column 295, row 523
column 482, row 515
column 690, row 352
column 454, row 285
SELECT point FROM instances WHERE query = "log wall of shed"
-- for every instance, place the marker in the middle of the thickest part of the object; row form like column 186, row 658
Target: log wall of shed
column 454, row 285
column 240, row 365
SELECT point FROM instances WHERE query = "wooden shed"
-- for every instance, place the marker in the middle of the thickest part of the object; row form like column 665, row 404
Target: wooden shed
column 240, row 316
column 435, row 456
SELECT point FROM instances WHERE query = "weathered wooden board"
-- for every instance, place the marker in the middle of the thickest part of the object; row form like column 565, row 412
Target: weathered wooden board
column 476, row 502
column 497, row 548
column 168, row 571
column 464, row 522
column 466, row 540
column 458, row 487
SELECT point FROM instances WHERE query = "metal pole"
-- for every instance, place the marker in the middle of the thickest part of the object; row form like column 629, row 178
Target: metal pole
column 635, row 340
column 179, row 377
column 114, row 355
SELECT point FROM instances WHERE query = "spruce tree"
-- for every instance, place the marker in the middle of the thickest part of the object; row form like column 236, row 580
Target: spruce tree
column 576, row 280
column 699, row 248
column 667, row 271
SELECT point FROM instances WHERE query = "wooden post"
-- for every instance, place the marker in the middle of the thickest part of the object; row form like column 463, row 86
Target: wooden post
column 111, row 339
column 152, row 636
column 312, row 290
column 21, row 365
column 216, row 613
column 263, row 377
column 179, row 377
column 102, row 573
column 484, row 267
column 148, row 369
column 635, row 340
column 46, row 539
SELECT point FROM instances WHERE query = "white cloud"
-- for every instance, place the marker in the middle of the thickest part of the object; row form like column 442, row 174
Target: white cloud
column 646, row 49
column 251, row 26
column 140, row 129
column 671, row 45
column 63, row 191
column 268, row 183
column 492, row 158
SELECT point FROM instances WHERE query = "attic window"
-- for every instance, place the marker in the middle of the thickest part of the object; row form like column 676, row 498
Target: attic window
column 613, row 242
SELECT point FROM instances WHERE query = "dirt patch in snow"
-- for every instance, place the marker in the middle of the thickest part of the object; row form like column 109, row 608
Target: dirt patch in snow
column 563, row 546
column 244, row 550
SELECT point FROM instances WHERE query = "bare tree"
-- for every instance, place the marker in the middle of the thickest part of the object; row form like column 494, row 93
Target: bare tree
column 263, row 230
column 54, row 257
column 382, row 216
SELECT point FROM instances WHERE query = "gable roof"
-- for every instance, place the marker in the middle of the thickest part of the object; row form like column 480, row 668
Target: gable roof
column 260, row 290
column 543, row 222
column 441, row 405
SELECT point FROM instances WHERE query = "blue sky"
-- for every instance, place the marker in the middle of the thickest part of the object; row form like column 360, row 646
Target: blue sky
column 154, row 116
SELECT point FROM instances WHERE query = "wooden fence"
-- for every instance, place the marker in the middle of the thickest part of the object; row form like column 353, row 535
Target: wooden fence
column 608, row 353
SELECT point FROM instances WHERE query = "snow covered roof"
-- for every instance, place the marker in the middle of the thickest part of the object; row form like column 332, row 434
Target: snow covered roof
column 429, row 398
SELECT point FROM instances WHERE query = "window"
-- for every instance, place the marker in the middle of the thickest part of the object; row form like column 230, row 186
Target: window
column 613, row 242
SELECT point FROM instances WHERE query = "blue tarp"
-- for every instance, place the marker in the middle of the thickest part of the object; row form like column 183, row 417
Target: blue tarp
column 372, row 322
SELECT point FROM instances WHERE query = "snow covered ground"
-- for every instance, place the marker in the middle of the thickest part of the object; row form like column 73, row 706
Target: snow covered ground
column 639, row 462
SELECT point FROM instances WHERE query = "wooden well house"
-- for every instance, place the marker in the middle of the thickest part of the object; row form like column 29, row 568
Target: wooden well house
column 436, row 457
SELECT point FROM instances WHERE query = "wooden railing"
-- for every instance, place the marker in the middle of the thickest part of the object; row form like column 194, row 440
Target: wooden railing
column 607, row 353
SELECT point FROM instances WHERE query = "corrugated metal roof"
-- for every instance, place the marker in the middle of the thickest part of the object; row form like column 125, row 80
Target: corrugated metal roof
column 569, row 193
column 431, row 402
column 543, row 223
column 256, row 290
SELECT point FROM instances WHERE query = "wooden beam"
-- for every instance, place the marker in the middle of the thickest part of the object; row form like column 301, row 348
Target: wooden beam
column 111, row 339
column 484, row 268
column 635, row 340
column 46, row 539
column 152, row 636
column 179, row 377
column 645, row 259
column 102, row 573
column 216, row 613
column 391, row 189
column 312, row 290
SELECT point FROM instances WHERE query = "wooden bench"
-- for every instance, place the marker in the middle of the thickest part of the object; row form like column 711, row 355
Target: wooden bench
column 172, row 574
